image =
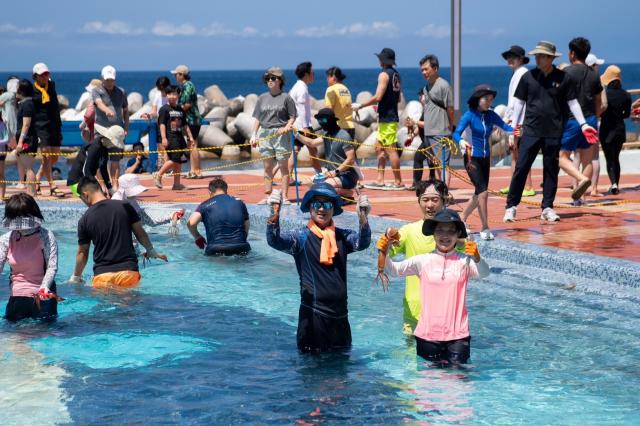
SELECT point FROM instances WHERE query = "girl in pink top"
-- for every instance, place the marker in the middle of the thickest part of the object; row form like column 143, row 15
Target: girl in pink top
column 32, row 254
column 442, row 333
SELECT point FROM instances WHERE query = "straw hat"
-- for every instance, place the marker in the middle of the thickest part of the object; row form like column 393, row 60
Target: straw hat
column 545, row 48
column 611, row 73
column 128, row 186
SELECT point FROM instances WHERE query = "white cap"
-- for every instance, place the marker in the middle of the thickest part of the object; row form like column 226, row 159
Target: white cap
column 108, row 73
column 130, row 185
column 593, row 60
column 40, row 68
column 180, row 69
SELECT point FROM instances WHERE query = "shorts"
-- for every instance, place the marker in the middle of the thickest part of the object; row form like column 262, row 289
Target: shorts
column 74, row 190
column 348, row 180
column 453, row 351
column 3, row 151
column 319, row 333
column 388, row 133
column 48, row 139
column 180, row 156
column 32, row 147
column 278, row 146
column 115, row 155
column 21, row 307
column 438, row 147
column 118, row 279
column 478, row 171
column 572, row 138
column 195, row 131
column 296, row 142
column 227, row 249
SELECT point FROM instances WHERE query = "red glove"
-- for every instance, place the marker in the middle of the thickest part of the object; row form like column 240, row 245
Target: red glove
column 636, row 111
column 517, row 132
column 43, row 294
column 590, row 134
column 201, row 242
column 178, row 215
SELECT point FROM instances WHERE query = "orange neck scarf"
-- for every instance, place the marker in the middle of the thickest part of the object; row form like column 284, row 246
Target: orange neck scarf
column 43, row 90
column 329, row 248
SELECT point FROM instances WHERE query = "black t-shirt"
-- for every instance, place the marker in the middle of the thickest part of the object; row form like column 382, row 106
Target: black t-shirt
column 47, row 116
column 587, row 87
column 388, row 105
column 107, row 224
column 26, row 109
column 545, row 97
column 173, row 119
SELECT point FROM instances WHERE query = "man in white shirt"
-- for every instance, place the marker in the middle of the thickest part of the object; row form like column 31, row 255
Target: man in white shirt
column 300, row 95
column 516, row 59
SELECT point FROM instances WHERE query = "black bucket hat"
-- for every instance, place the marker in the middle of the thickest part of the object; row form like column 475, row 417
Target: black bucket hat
column 517, row 51
column 444, row 216
column 480, row 91
column 387, row 56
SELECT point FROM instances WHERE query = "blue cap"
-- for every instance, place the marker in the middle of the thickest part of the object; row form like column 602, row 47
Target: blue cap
column 322, row 189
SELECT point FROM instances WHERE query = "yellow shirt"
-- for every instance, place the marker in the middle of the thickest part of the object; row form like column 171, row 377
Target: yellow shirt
column 338, row 98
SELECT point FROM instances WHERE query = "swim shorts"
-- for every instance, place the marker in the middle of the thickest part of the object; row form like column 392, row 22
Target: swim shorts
column 21, row 307
column 478, row 171
column 388, row 133
column 227, row 249
column 454, row 351
column 271, row 145
column 119, row 279
column 348, row 180
column 179, row 156
column 572, row 138
column 115, row 154
column 320, row 333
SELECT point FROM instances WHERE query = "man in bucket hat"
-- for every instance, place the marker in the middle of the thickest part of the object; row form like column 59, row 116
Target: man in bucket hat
column 320, row 251
column 543, row 90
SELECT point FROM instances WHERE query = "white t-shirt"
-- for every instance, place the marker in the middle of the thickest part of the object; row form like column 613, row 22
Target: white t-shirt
column 513, row 85
column 159, row 101
column 300, row 95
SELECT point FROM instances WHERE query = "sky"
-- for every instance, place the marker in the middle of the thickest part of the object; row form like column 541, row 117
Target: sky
column 73, row 35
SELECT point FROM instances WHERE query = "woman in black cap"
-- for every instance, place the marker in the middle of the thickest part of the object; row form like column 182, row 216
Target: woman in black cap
column 442, row 334
column 516, row 60
column 477, row 152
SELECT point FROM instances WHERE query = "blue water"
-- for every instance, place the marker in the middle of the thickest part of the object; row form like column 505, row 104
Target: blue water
column 234, row 83
column 212, row 341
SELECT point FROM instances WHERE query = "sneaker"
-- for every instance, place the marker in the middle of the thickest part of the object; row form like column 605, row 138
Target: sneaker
column 157, row 180
column 510, row 215
column 549, row 215
column 486, row 235
column 504, row 190
column 614, row 190
column 178, row 187
column 529, row 193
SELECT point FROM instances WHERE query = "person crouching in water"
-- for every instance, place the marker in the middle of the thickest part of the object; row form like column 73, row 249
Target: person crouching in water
column 339, row 153
column 32, row 253
column 320, row 251
column 477, row 152
column 442, row 334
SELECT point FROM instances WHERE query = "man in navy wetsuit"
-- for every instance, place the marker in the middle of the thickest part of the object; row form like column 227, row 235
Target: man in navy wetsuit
column 226, row 222
column 320, row 251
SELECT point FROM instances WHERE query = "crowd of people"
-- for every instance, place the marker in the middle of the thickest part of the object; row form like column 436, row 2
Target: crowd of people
column 550, row 110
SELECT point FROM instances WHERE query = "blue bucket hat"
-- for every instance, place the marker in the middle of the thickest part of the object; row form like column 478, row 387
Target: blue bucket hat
column 322, row 189
column 444, row 216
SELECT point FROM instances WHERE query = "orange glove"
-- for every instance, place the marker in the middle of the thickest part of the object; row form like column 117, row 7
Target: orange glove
column 471, row 250
column 383, row 243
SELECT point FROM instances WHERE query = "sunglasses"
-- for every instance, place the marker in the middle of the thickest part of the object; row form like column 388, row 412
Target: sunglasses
column 323, row 120
column 271, row 78
column 327, row 205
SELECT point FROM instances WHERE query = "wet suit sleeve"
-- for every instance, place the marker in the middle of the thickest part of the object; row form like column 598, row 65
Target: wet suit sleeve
column 462, row 125
column 499, row 122
column 406, row 267
column 50, row 257
column 356, row 241
column 289, row 242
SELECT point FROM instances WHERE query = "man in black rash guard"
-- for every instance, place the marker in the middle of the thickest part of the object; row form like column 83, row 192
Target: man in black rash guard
column 226, row 222
column 320, row 251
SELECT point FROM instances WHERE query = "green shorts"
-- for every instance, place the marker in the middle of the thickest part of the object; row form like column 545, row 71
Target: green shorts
column 74, row 190
column 388, row 133
column 278, row 146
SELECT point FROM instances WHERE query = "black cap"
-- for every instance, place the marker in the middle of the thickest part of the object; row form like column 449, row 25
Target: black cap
column 517, row 51
column 325, row 112
column 387, row 56
column 480, row 91
column 444, row 216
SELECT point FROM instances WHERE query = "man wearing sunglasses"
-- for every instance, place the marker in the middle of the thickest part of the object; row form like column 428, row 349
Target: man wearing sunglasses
column 320, row 251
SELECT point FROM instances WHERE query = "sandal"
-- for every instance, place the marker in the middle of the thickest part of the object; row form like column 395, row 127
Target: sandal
column 38, row 189
column 191, row 175
column 55, row 192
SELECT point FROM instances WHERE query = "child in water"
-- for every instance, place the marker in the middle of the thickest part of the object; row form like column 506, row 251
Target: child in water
column 442, row 334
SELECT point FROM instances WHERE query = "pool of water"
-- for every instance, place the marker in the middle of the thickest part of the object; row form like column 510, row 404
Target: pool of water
column 212, row 341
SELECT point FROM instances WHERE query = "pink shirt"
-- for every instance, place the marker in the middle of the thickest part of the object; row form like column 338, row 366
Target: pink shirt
column 443, row 292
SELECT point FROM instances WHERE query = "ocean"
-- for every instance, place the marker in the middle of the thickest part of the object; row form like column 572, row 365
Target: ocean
column 243, row 82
